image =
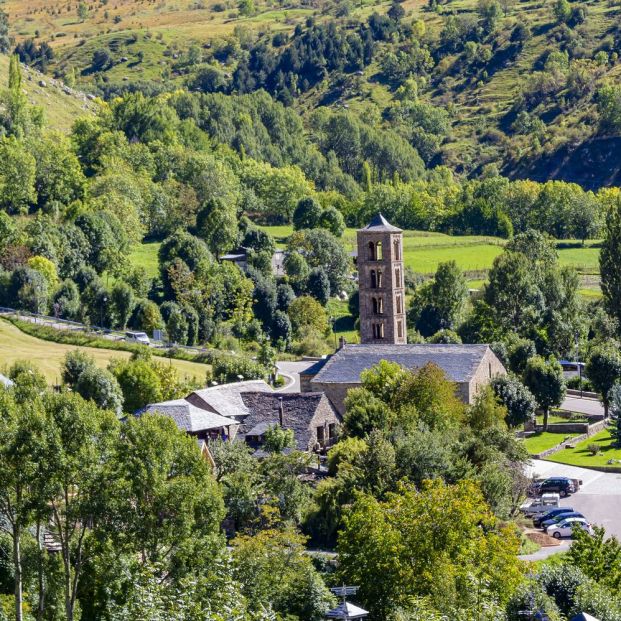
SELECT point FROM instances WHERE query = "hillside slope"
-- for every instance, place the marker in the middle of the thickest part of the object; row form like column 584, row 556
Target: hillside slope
column 518, row 81
column 61, row 104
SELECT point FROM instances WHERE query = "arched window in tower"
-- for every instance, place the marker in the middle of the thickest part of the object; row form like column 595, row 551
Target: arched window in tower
column 380, row 306
column 397, row 277
column 399, row 305
column 373, row 279
column 378, row 331
column 379, row 279
column 378, row 251
column 374, row 304
column 397, row 250
column 400, row 329
column 371, row 251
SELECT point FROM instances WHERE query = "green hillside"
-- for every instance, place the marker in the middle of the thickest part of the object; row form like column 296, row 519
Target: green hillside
column 518, row 82
column 61, row 105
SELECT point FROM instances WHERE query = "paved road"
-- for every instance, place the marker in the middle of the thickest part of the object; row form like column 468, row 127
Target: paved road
column 544, row 553
column 583, row 405
column 599, row 498
column 291, row 371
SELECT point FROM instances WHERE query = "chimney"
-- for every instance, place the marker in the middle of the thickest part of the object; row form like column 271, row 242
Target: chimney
column 342, row 342
column 281, row 413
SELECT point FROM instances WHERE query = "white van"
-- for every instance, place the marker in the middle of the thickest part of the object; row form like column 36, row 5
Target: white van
column 541, row 505
column 137, row 337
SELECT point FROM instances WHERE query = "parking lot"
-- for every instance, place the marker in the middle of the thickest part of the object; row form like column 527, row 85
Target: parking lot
column 599, row 498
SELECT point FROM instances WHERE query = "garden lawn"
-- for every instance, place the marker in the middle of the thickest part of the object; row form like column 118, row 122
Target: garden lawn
column 544, row 440
column 580, row 456
column 48, row 356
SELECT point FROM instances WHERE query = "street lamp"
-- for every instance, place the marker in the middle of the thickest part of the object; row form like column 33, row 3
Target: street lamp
column 104, row 301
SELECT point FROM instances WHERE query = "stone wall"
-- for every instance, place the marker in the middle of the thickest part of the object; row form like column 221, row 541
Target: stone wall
column 489, row 367
column 325, row 415
column 335, row 392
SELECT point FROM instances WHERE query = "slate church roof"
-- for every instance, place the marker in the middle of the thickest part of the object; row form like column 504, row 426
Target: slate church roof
column 188, row 417
column 298, row 410
column 459, row 362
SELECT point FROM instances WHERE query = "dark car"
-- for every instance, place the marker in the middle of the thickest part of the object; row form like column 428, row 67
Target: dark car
column 537, row 521
column 560, row 517
column 561, row 485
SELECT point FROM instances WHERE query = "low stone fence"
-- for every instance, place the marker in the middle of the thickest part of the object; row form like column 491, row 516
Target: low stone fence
column 576, row 393
column 567, row 427
column 590, row 431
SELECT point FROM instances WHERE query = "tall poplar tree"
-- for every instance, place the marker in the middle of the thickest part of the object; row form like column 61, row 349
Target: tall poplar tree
column 609, row 262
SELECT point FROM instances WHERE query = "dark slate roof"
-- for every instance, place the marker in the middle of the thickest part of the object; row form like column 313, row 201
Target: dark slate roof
column 225, row 399
column 298, row 411
column 379, row 223
column 459, row 362
column 188, row 417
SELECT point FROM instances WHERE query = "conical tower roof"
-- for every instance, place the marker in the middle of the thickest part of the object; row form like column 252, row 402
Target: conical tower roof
column 380, row 224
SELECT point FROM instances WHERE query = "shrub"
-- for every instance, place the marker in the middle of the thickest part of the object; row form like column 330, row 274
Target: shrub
column 594, row 449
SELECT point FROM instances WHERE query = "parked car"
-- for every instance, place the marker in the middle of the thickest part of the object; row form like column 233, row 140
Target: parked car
column 559, row 518
column 138, row 337
column 561, row 485
column 539, row 506
column 539, row 519
column 566, row 527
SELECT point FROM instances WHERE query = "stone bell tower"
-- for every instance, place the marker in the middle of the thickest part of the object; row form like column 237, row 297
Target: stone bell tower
column 380, row 283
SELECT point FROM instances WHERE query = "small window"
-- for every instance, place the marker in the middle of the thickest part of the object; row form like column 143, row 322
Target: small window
column 378, row 251
column 378, row 331
column 374, row 304
column 380, row 306
column 490, row 369
column 399, row 329
column 371, row 251
column 320, row 434
column 399, row 305
column 373, row 279
column 397, row 248
column 379, row 279
column 397, row 277
column 332, row 430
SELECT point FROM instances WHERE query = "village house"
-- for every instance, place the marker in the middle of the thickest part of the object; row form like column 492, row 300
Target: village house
column 243, row 411
column 311, row 416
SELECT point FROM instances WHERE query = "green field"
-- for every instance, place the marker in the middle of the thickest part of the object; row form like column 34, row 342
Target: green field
column 145, row 255
column 544, row 440
column 424, row 251
column 580, row 456
column 48, row 356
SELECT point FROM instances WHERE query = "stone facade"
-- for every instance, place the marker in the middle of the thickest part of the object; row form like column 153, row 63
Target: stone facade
column 381, row 284
column 489, row 366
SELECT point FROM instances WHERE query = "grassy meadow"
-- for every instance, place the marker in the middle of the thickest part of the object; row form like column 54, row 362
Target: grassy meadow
column 48, row 356
column 424, row 251
column 581, row 456
column 544, row 440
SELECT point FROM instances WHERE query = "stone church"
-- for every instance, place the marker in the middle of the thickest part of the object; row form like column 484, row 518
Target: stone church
column 383, row 329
